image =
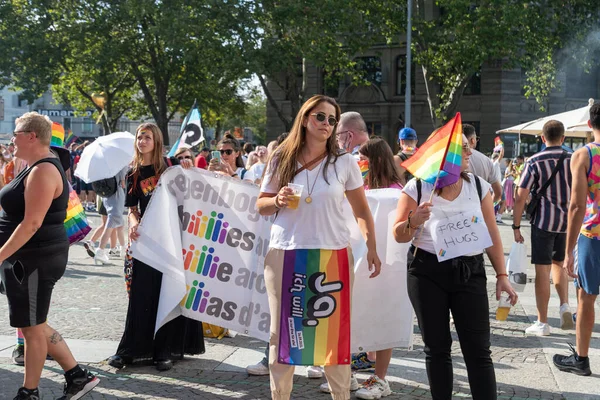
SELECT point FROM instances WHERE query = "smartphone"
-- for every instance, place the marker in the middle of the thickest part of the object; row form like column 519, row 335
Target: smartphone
column 216, row 155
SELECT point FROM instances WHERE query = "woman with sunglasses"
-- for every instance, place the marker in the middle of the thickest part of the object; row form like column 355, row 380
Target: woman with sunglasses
column 231, row 162
column 458, row 285
column 139, row 344
column 310, row 157
column 184, row 153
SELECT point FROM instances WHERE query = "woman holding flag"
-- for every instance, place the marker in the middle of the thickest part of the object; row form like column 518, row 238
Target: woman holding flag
column 438, row 286
column 309, row 266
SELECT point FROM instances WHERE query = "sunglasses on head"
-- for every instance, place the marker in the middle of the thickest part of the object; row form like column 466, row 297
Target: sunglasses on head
column 226, row 151
column 320, row 116
column 184, row 157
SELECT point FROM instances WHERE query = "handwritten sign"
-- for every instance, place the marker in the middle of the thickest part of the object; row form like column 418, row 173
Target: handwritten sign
column 460, row 235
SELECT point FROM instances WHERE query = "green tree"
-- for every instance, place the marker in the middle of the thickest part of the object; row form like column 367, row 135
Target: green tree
column 452, row 45
column 291, row 34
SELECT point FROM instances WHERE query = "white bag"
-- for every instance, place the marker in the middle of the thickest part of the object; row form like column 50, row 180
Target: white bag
column 516, row 266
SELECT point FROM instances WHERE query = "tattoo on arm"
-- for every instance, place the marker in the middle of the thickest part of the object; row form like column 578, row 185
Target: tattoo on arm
column 55, row 338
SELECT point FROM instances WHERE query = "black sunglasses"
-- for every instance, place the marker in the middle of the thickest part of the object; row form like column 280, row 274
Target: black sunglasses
column 226, row 151
column 184, row 158
column 322, row 117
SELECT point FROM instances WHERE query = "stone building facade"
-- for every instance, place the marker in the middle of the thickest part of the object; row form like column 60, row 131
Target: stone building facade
column 493, row 99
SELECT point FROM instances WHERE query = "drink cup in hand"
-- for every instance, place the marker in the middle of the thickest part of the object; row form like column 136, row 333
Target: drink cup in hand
column 503, row 308
column 294, row 199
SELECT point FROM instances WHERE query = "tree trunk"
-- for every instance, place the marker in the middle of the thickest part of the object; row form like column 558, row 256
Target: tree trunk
column 218, row 129
column 449, row 108
column 286, row 121
column 430, row 100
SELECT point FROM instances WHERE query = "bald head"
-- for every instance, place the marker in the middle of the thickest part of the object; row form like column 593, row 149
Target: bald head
column 351, row 131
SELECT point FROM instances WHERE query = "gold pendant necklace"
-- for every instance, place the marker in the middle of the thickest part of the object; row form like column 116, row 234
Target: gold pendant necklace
column 310, row 189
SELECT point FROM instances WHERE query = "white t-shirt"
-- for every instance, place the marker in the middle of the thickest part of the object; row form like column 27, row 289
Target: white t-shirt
column 255, row 172
column 320, row 224
column 482, row 166
column 466, row 201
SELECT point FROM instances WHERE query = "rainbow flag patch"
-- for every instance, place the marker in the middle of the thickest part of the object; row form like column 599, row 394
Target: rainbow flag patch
column 315, row 308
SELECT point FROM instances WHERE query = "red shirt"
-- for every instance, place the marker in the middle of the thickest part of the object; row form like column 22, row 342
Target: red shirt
column 201, row 162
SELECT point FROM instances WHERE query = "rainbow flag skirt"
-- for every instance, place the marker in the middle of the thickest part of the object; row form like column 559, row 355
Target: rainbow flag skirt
column 315, row 308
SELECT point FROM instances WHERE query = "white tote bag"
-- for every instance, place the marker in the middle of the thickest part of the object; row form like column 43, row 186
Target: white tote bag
column 516, row 266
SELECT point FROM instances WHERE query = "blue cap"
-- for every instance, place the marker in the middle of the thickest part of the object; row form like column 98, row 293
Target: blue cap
column 407, row 134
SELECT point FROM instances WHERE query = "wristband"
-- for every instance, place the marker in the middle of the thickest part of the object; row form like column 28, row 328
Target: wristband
column 515, row 227
column 499, row 275
column 277, row 206
column 409, row 224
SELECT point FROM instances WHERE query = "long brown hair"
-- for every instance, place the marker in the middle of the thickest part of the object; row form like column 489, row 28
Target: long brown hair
column 158, row 161
column 283, row 161
column 233, row 142
column 382, row 170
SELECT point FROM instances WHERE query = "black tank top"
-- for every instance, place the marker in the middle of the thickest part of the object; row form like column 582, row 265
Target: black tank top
column 12, row 201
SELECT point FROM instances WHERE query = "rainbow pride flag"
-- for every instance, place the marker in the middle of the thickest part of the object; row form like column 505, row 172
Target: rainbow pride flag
column 439, row 159
column 58, row 135
column 70, row 138
column 364, row 167
column 76, row 223
column 315, row 308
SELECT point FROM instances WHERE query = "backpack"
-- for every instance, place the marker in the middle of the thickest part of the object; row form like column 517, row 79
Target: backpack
column 105, row 187
column 407, row 175
column 477, row 184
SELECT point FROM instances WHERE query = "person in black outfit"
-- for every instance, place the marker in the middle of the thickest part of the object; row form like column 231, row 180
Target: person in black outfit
column 34, row 254
column 181, row 335
column 458, row 285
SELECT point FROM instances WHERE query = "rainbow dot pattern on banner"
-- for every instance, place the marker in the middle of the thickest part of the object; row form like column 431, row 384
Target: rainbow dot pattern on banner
column 315, row 308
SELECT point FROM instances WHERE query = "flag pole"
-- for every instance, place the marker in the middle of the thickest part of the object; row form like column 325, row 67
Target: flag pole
column 437, row 178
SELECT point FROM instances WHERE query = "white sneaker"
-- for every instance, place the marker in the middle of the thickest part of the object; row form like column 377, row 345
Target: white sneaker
column 115, row 253
column 538, row 329
column 259, row 369
column 566, row 317
column 101, row 257
column 324, row 387
column 314, row 372
column 374, row 388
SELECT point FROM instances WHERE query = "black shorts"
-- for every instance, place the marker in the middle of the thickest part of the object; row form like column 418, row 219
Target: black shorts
column 29, row 277
column 547, row 246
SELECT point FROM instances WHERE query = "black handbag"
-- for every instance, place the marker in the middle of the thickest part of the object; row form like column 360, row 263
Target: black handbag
column 536, row 196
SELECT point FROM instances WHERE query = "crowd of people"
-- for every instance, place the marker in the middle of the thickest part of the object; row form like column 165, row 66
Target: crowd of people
column 322, row 152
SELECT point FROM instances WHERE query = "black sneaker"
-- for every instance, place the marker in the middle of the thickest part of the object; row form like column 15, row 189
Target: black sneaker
column 78, row 387
column 27, row 394
column 18, row 354
column 89, row 247
column 572, row 363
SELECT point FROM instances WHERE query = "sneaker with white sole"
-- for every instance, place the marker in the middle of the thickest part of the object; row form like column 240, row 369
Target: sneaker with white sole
column 374, row 388
column 259, row 369
column 101, row 257
column 79, row 387
column 89, row 248
column 115, row 253
column 566, row 317
column 354, row 386
column 313, row 372
column 538, row 329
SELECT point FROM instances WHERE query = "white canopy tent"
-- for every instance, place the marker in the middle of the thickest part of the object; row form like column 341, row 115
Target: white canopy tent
column 575, row 122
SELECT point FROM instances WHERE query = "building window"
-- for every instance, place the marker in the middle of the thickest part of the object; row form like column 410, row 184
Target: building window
column 401, row 76
column 473, row 88
column 66, row 124
column 374, row 128
column 370, row 68
column 581, row 84
column 88, row 125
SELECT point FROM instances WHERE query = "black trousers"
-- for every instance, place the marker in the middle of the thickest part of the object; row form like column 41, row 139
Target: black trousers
column 459, row 286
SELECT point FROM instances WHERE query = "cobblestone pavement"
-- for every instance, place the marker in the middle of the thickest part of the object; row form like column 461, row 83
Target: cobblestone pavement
column 90, row 303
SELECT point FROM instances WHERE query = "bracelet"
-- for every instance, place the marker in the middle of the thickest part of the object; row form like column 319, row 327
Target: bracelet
column 516, row 227
column 277, row 206
column 499, row 275
column 409, row 224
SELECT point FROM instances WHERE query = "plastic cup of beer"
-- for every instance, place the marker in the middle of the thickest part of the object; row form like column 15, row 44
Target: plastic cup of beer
column 294, row 199
column 503, row 308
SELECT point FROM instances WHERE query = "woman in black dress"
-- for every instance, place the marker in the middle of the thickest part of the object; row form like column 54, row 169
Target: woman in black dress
column 181, row 335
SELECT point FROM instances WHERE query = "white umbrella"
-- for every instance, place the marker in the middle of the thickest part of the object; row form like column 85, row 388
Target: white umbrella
column 105, row 157
column 575, row 122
